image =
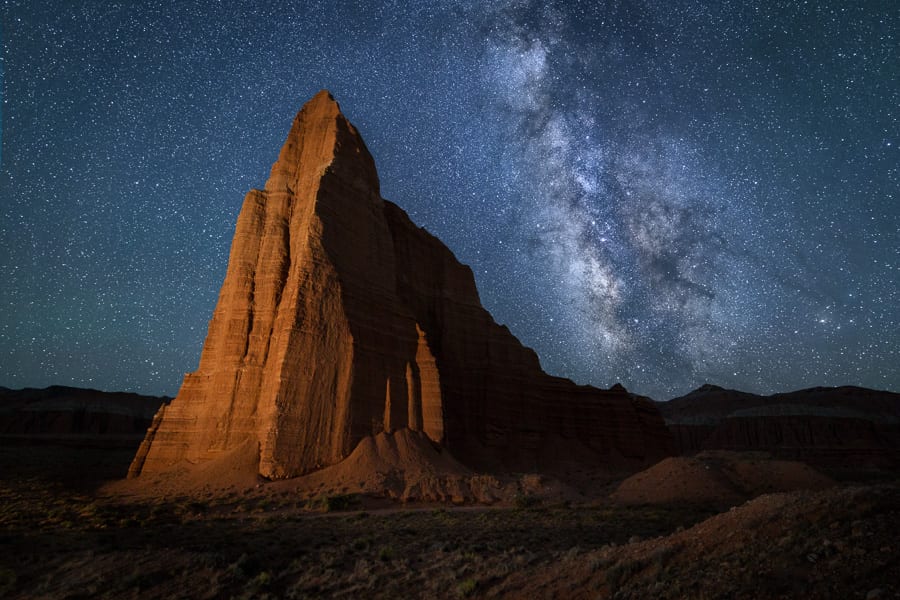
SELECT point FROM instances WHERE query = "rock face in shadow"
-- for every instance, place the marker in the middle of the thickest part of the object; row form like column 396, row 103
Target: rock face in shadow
column 838, row 427
column 340, row 319
column 75, row 416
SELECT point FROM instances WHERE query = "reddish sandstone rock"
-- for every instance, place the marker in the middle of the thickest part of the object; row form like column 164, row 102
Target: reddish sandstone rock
column 340, row 319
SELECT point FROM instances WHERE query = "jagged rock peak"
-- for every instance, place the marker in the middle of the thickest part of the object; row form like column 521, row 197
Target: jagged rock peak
column 321, row 138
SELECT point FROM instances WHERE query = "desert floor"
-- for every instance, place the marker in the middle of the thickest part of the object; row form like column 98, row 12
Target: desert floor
column 62, row 538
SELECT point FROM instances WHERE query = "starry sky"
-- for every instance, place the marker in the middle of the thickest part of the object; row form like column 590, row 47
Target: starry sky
column 658, row 193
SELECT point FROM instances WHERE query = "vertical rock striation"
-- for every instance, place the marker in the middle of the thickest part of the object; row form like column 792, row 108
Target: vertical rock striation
column 339, row 319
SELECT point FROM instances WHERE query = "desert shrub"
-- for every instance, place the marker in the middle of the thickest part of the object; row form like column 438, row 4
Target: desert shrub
column 527, row 501
column 261, row 581
column 617, row 574
column 467, row 587
column 385, row 553
column 662, row 554
column 211, row 560
column 128, row 522
column 360, row 544
column 596, row 562
column 244, row 567
column 335, row 503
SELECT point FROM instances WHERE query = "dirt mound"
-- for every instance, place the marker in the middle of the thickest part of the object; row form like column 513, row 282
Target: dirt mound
column 678, row 479
column 718, row 479
column 835, row 543
column 230, row 471
column 404, row 450
column 404, row 465
column 762, row 476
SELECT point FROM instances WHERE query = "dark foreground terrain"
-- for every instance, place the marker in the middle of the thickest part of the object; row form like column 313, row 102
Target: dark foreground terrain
column 61, row 539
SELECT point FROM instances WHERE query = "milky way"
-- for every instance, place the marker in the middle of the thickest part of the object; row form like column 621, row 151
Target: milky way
column 655, row 193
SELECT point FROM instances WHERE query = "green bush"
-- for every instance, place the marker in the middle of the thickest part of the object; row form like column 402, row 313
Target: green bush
column 527, row 501
column 336, row 503
column 360, row 544
column 244, row 567
column 385, row 553
column 262, row 580
column 622, row 571
column 467, row 587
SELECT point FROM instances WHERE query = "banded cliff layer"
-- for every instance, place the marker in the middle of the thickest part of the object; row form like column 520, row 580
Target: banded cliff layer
column 339, row 319
column 828, row 427
column 75, row 416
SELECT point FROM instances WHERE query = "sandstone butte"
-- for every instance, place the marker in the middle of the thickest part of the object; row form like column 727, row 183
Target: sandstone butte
column 340, row 319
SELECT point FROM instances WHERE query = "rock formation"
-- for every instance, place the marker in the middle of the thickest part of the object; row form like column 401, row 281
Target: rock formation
column 66, row 411
column 340, row 319
column 75, row 416
column 832, row 427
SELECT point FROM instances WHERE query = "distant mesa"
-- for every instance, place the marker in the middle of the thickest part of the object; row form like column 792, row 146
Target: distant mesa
column 841, row 427
column 340, row 320
column 75, row 417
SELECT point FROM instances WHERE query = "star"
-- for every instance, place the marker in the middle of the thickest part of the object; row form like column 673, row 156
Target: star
column 661, row 194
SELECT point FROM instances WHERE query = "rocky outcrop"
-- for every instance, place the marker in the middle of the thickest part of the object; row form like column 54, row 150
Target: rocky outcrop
column 340, row 319
column 834, row 427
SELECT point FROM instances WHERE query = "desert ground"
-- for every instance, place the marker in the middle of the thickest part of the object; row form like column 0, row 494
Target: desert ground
column 65, row 532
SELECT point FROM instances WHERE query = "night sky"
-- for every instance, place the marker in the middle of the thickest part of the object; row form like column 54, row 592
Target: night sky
column 659, row 193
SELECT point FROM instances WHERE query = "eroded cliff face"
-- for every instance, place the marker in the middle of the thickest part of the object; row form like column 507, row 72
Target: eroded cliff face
column 339, row 319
